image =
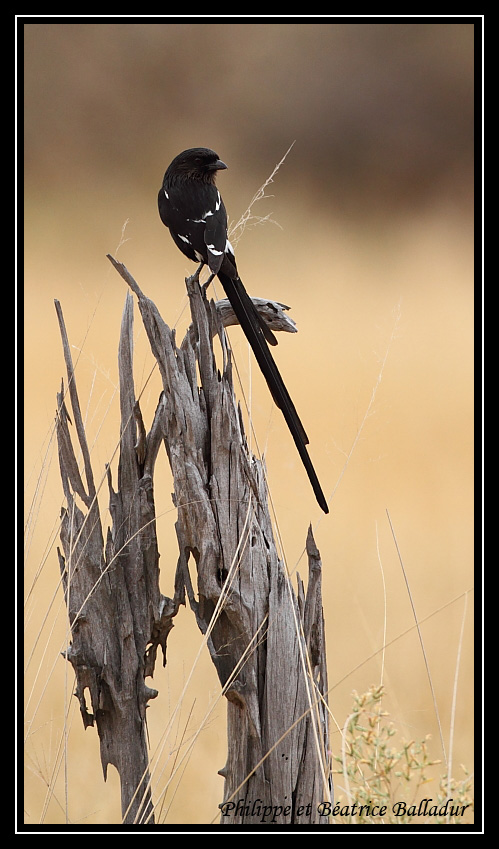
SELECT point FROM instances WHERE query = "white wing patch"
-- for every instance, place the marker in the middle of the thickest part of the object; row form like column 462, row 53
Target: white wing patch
column 213, row 250
column 201, row 220
column 184, row 239
column 167, row 196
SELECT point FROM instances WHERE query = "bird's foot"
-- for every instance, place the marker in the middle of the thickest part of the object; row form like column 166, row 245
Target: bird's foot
column 207, row 283
column 194, row 278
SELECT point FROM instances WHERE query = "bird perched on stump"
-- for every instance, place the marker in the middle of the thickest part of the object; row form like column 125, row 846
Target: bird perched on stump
column 191, row 207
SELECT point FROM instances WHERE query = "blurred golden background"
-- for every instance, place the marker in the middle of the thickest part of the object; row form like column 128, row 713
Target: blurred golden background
column 373, row 250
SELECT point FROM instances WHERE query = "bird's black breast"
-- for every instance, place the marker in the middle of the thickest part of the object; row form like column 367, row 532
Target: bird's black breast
column 195, row 215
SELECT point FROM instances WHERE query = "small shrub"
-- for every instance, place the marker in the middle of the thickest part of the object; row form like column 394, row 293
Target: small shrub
column 386, row 783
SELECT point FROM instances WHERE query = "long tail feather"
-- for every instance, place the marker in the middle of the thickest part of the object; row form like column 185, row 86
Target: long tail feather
column 251, row 324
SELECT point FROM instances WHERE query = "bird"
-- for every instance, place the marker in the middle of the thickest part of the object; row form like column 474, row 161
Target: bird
column 191, row 207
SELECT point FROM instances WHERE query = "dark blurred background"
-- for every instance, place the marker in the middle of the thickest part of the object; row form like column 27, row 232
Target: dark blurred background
column 382, row 113
column 372, row 247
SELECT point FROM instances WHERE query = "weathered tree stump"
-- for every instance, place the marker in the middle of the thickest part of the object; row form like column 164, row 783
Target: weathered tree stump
column 266, row 641
column 117, row 614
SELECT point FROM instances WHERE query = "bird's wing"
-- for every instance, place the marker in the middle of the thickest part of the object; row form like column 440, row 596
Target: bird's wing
column 215, row 235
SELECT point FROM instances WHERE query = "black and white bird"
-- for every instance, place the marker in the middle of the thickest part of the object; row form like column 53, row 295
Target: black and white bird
column 191, row 207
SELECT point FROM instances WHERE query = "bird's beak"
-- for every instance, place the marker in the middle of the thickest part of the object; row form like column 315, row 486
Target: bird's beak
column 219, row 165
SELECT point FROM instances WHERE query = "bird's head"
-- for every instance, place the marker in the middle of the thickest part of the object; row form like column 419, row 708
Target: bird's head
column 198, row 163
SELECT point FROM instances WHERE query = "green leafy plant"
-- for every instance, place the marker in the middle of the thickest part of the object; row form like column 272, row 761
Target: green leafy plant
column 385, row 783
